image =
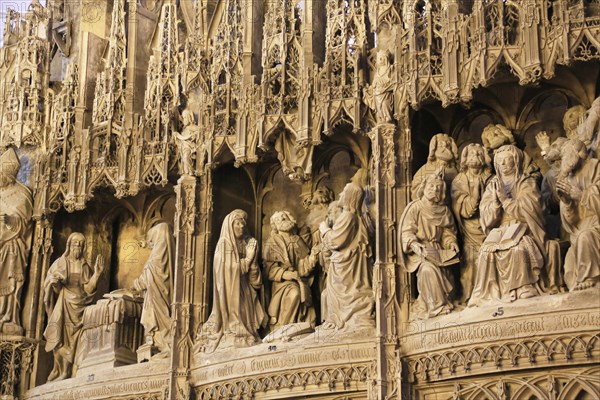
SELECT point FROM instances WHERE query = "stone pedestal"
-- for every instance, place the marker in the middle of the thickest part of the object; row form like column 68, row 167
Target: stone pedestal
column 111, row 333
column 146, row 351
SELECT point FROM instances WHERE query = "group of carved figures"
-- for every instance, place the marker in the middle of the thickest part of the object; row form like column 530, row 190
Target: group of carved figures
column 331, row 252
column 70, row 283
column 505, row 220
column 70, row 286
column 509, row 250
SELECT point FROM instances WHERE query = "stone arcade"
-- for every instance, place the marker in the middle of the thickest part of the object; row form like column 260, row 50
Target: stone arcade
column 330, row 199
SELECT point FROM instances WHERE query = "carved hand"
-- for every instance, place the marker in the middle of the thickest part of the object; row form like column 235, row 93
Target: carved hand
column 290, row 275
column 417, row 248
column 99, row 265
column 324, row 226
column 571, row 192
column 543, row 141
column 501, row 192
column 562, row 192
column 251, row 250
column 454, row 248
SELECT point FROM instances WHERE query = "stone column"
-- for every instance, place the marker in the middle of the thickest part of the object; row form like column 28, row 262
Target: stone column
column 33, row 320
column 183, row 286
column 383, row 177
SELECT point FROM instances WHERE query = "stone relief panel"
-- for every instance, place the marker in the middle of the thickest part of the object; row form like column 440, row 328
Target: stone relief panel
column 260, row 115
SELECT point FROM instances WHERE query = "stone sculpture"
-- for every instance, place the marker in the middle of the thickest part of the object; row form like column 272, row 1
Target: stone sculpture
column 237, row 313
column 496, row 136
column 429, row 245
column 589, row 130
column 333, row 212
column 186, row 142
column 69, row 287
column 572, row 119
column 578, row 123
column 16, row 209
column 380, row 95
column 467, row 190
column 319, row 203
column 155, row 284
column 289, row 265
column 512, row 254
column 578, row 187
column 349, row 294
column 443, row 156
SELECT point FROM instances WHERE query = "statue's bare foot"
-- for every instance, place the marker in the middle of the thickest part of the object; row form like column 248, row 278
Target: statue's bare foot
column 446, row 310
column 528, row 292
column 589, row 283
column 328, row 325
column 579, row 286
column 53, row 375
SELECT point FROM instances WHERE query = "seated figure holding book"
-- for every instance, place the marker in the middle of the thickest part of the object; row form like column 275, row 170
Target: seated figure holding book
column 429, row 246
column 511, row 216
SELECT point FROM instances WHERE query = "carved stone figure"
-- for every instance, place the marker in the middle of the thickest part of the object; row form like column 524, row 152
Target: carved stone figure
column 16, row 209
column 578, row 123
column 429, row 245
column 512, row 254
column 333, row 212
column 588, row 131
column 578, row 188
column 69, row 287
column 349, row 296
column 467, row 190
column 496, row 136
column 552, row 155
column 443, row 156
column 289, row 266
column 186, row 142
column 319, row 203
column 380, row 96
column 572, row 119
column 237, row 313
column 156, row 285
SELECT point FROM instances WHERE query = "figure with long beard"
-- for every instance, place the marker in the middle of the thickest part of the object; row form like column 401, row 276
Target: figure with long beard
column 443, row 156
column 578, row 187
column 289, row 265
column 467, row 189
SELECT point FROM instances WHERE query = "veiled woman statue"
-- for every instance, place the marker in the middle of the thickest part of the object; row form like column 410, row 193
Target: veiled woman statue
column 156, row 284
column 513, row 253
column 69, row 287
column 350, row 300
column 237, row 313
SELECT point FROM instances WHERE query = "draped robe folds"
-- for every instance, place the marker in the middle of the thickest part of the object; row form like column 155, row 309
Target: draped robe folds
column 237, row 313
column 465, row 205
column 156, row 283
column 501, row 271
column 291, row 301
column 65, row 316
column 350, row 298
column 582, row 221
column 433, row 227
column 15, row 233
